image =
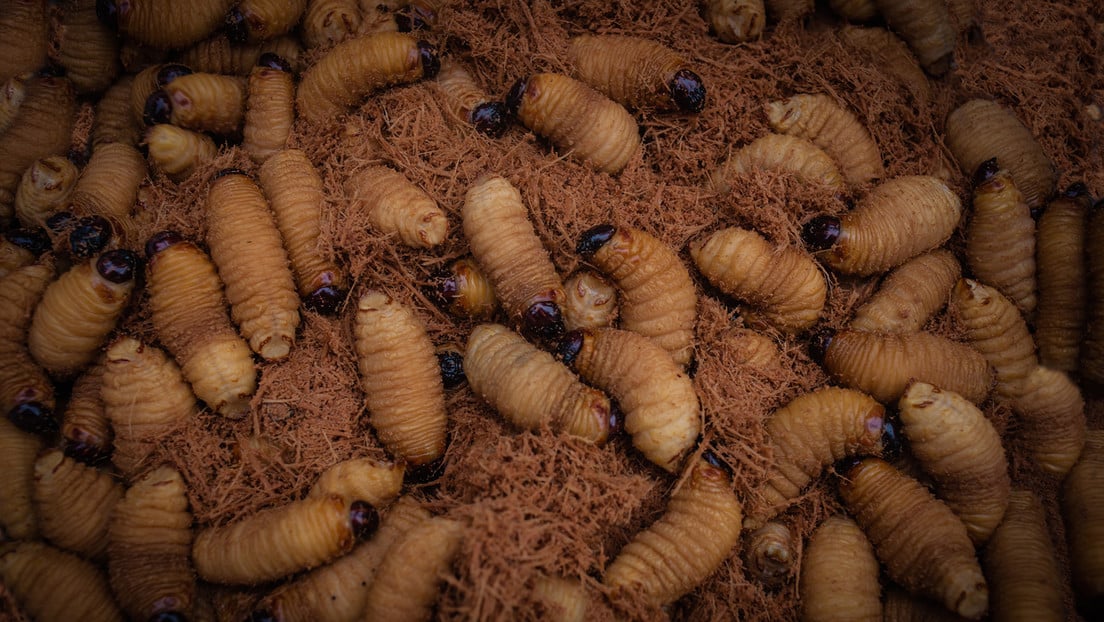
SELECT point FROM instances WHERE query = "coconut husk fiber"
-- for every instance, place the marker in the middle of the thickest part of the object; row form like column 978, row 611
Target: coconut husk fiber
column 537, row 503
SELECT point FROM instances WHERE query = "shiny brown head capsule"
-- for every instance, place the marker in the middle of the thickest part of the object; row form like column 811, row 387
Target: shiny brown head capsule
column 89, row 236
column 235, row 26
column 364, row 518
column 33, row 239
column 431, row 64
column 229, row 171
column 594, row 238
column 326, row 299
column 59, row 222
column 893, row 442
column 262, row 615
column 514, row 96
column 490, row 118
column 821, row 232
column 819, row 343
column 985, row 171
column 170, row 72
column 117, row 266
column 544, row 320
column 160, row 241
column 426, row 473
column 843, row 467
column 158, row 108
column 1076, row 190
column 84, row 447
column 716, row 462
column 108, row 13
column 34, row 417
column 687, row 91
column 570, row 346
column 273, row 60
column 451, row 363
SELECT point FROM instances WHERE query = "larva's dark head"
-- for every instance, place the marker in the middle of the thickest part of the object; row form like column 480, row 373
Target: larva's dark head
column 425, row 473
column 85, row 447
column 444, row 287
column 169, row 72
column 326, row 299
column 985, row 171
column 844, row 467
column 451, row 364
column 34, row 417
column 544, row 320
column 236, row 26
column 712, row 460
column 32, row 239
column 226, row 172
column 821, row 232
column 490, row 118
column 59, row 222
column 431, row 63
column 1077, row 190
column 89, row 236
column 272, row 60
column 158, row 108
column 118, row 266
column 687, row 91
column 107, row 11
column 364, row 519
column 168, row 616
column 79, row 156
column 515, row 95
column 50, row 70
column 262, row 615
column 594, row 238
column 893, row 442
column 819, row 342
column 616, row 421
column 160, row 241
column 570, row 346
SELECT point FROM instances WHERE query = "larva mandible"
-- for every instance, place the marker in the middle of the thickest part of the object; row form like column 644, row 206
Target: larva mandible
column 1020, row 564
column 247, row 249
column 658, row 400
column 12, row 94
column 839, row 574
column 563, row 600
column 26, row 393
column 406, row 583
column 87, row 48
column 469, row 103
column 205, row 102
column 396, row 207
column 926, row 27
column 51, row 584
column 20, row 247
column 789, row 155
column 590, row 301
column 910, row 295
column 1082, row 501
column 462, row 289
column 163, row 24
column 361, row 479
column 1091, row 356
column 269, row 107
column 855, row 10
column 329, row 22
column 450, row 361
column 783, row 285
column 505, row 245
column 281, row 540
column 1051, row 412
column 257, row 20
column 1062, row 285
column 44, row 188
column 833, row 128
column 896, row 221
column 73, row 503
column 178, row 152
column 108, row 184
column 114, row 122
column 348, row 73
column 146, row 109
column 996, row 329
column 658, row 298
column 188, row 311
column 293, row 188
column 960, row 449
column 218, row 55
column 637, row 72
column 90, row 235
column 578, row 120
column 24, row 29
column 18, row 451
column 42, row 128
column 696, row 533
column 400, row 379
column 921, row 543
column 770, row 553
column 530, row 388
column 86, row 432
column 735, row 21
column 889, row 54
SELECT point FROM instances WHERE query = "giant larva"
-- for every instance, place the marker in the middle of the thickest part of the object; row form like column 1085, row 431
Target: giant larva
column 658, row 299
column 1083, row 511
column 637, row 72
column 783, row 285
column 257, row 20
column 891, row 56
column 961, row 450
column 18, row 450
column 85, row 429
column 87, row 49
column 834, row 129
column 1024, row 576
column 361, row 479
column 578, row 120
column 697, row 531
column 73, row 503
column 405, row 585
column 770, row 553
column 790, row 155
column 326, row 22
column 910, row 295
column 995, row 328
column 42, row 128
column 189, row 313
column 530, row 388
column 661, row 408
column 26, row 393
column 399, row 375
column 108, row 185
column 247, row 249
column 23, row 37
column 893, row 223
column 114, row 122
column 20, row 247
column 396, row 207
column 178, row 152
column 926, row 26
column 468, row 102
column 921, row 543
column 12, row 94
column 735, row 21
column 1091, row 358
column 1060, row 264
column 590, row 301
column 462, row 289
column 163, row 24
column 45, row 186
column 270, row 107
column 1051, row 413
column 203, row 102
column 839, row 574
column 352, row 70
column 54, row 585
column 217, row 55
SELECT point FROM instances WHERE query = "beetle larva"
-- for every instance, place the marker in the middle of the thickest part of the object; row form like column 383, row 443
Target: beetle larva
column 783, row 284
column 282, row 540
column 1091, row 359
column 405, row 585
column 506, row 247
column 770, row 553
column 736, row 21
column 87, row 49
column 790, row 155
column 754, row 349
column 462, row 289
column 910, row 295
column 1020, row 564
column 352, row 70
column 919, row 540
column 257, row 20
column 45, row 186
column 982, row 129
column 399, row 375
column 163, row 24
column 189, row 313
column 396, row 207
column 294, row 191
column 18, row 450
column 658, row 299
column 74, row 503
column 469, row 103
column 839, row 574
column 882, row 365
column 42, row 128
column 1051, row 413
column 108, row 185
column 695, row 534
column 578, row 120
column 247, row 249
column 995, row 328
column 661, row 408
column 361, row 479
column 23, row 37
column 834, row 129
column 12, row 94
column 637, row 72
column 590, row 301
column 85, row 429
column 891, row 56
column 894, row 222
column 26, row 394
column 177, row 152
column 217, row 55
column 563, row 600
column 961, row 450
column 326, row 22
column 1083, row 511
column 270, row 107
column 855, row 10
column 20, row 247
column 530, row 388
column 145, row 108
column 1060, row 263
column 926, row 27
column 205, row 102
column 114, row 122
column 51, row 584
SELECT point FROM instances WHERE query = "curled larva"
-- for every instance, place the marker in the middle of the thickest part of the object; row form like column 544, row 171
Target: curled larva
column 164, row 24
column 177, row 152
column 695, row 534
column 73, row 503
column 1062, row 288
column 45, row 186
column 86, row 432
column 637, row 72
column 1024, row 577
column 834, row 129
column 12, row 94
column 961, row 450
column 996, row 329
column 1083, row 512
column 87, row 48
column 894, row 222
column 18, row 450
column 406, row 584
column 326, row 22
column 148, row 110
column 1091, row 356
column 462, row 289
column 24, row 30
column 578, row 120
column 204, row 102
column 1051, row 413
column 661, row 408
column 783, row 285
column 51, row 584
column 926, row 27
column 590, row 301
column 910, row 295
column 20, row 247
column 352, row 70
column 257, row 20
column 269, row 109
column 114, row 122
column 108, row 184
column 891, row 56
column 247, row 249
column 790, row 155
column 530, row 388
column 218, row 55
column 26, row 393
column 469, row 103
column 658, row 299
column 400, row 378
column 735, row 21
column 839, row 574
column 920, row 542
column 770, row 553
column 361, row 479
column 42, row 128
column 396, row 207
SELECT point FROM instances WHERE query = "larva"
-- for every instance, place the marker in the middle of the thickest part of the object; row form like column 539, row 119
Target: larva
column 294, row 191
column 754, row 349
column 890, row 55
column 327, row 22
column 26, row 393
column 464, row 290
column 20, row 247
column 789, row 155
column 270, row 108
column 770, row 553
column 926, row 28
column 839, row 574
column 590, row 301
column 54, row 585
column 833, row 128
column 217, row 55
column 398, row 372
column 658, row 299
column 563, row 600
column 981, row 129
column 1051, row 413
column 961, row 450
column 910, row 295
column 45, row 186
column 469, row 103
column 1091, row 357
column 1062, row 289
column 361, row 479
column 783, row 285
column 396, row 207
column 1083, row 512
column 855, row 10
column 18, row 450
column 661, row 408
column 1021, row 567
column 894, row 222
column 637, row 72
column 114, row 122
column 530, row 388
column 697, row 531
column 73, row 503
column 42, row 128
column 578, row 120
column 352, row 70
column 995, row 328
column 257, row 20
column 150, row 542
column 921, row 543
column 85, row 429
column 108, row 185
column 23, row 37
column 282, row 540
column 178, row 152
column 788, row 10
column 882, row 365
column 405, row 585
column 505, row 245
column 12, row 94
column 87, row 48
column 204, row 102
column 163, row 24
column 901, row 606
column 189, row 313
column 736, row 21
column 146, row 109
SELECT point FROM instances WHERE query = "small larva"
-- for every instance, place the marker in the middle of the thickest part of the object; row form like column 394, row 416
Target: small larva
column 885, row 51
column 770, row 553
column 995, row 328
column 204, row 102
column 1062, row 285
column 73, row 503
column 24, row 27
column 164, row 24
column 637, row 72
column 270, row 107
column 20, row 247
column 735, row 21
column 790, row 155
column 563, row 600
column 469, row 103
column 1020, row 564
column 839, row 574
column 1083, row 511
column 42, row 128
column 1051, row 413
column 1091, row 361
column 257, row 20
column 51, row 584
column 12, row 94
column 108, row 185
column 87, row 49
column 361, row 479
column 18, row 450
column 926, row 26
column 149, row 110
column 218, row 55
column 327, row 22
column 178, row 152
column 114, row 122
column 462, row 289
column 26, row 393
column 590, row 301
column 45, row 186
column 396, row 207
column 405, row 585
column 85, row 429
column 834, row 129
column 910, row 295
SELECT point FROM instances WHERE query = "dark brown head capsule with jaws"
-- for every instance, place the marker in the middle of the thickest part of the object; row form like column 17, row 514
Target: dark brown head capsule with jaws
column 985, row 171
column 687, row 91
column 364, row 519
column 822, row 232
column 490, row 118
column 33, row 239
column 594, row 238
column 89, row 236
column 160, row 241
column 431, row 64
column 34, row 417
column 118, row 266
